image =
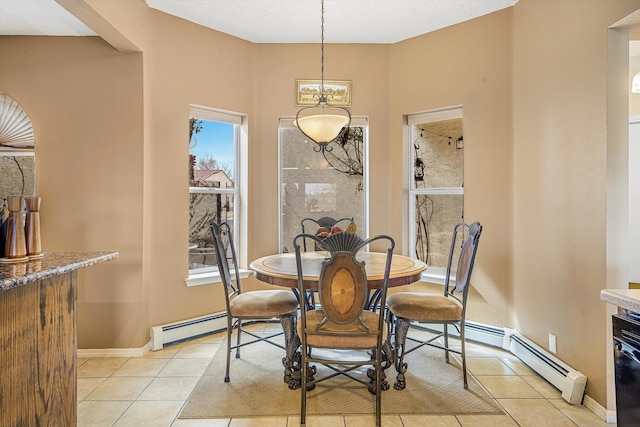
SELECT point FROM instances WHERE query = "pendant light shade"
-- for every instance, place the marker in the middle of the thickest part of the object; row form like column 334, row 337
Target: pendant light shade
column 324, row 127
column 322, row 122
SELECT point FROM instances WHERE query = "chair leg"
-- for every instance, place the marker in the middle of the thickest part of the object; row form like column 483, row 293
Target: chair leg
column 238, row 338
column 303, row 388
column 445, row 334
column 379, row 374
column 463, row 354
column 400, row 331
column 229, row 330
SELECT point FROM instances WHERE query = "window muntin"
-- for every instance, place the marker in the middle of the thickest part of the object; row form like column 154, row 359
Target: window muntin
column 213, row 182
column 437, row 184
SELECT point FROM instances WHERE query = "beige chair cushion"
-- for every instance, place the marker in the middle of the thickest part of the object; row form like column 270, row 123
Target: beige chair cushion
column 269, row 303
column 314, row 317
column 424, row 307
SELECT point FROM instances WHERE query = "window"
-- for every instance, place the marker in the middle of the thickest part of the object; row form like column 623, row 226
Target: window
column 436, row 184
column 214, row 182
column 315, row 184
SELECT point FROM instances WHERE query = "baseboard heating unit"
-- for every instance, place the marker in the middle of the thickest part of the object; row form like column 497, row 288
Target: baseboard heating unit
column 178, row 331
column 570, row 382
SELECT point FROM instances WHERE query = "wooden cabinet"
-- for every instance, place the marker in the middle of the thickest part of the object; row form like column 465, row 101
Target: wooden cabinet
column 38, row 353
column 38, row 341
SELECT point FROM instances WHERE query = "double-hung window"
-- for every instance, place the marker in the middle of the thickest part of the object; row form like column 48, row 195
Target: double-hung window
column 436, row 185
column 214, row 183
column 316, row 184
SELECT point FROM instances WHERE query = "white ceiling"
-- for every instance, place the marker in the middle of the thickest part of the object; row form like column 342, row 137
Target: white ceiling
column 273, row 21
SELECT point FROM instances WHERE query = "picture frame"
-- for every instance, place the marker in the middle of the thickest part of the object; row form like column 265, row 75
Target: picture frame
column 338, row 92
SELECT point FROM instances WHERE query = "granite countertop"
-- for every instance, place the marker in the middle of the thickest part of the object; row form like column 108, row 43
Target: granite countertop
column 52, row 264
column 629, row 299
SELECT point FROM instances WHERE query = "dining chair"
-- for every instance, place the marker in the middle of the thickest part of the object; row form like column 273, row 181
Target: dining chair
column 410, row 309
column 252, row 305
column 356, row 336
column 326, row 222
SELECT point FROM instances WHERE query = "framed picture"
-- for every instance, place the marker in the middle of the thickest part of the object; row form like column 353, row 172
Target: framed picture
column 338, row 92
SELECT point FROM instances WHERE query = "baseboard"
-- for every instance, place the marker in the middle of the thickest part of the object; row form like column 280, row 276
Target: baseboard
column 86, row 353
column 600, row 411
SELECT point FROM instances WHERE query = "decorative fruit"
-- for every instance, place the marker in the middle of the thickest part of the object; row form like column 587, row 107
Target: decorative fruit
column 335, row 230
column 322, row 234
column 351, row 228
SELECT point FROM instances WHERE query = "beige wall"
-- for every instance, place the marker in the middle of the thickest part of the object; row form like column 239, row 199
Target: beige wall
column 112, row 155
column 560, row 176
column 85, row 102
column 469, row 65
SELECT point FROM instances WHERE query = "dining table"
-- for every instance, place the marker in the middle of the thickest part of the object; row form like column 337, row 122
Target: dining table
column 281, row 270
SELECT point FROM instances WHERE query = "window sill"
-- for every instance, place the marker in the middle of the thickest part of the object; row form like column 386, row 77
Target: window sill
column 434, row 275
column 210, row 277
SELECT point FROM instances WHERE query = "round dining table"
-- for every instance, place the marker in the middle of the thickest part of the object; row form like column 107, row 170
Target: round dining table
column 281, row 270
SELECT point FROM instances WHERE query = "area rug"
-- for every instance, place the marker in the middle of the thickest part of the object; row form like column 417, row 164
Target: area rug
column 257, row 389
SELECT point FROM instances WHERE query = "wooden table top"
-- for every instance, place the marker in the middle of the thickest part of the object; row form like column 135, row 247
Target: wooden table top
column 281, row 269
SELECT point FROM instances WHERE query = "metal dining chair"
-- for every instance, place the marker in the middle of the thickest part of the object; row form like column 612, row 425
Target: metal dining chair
column 341, row 322
column 253, row 305
column 326, row 222
column 410, row 309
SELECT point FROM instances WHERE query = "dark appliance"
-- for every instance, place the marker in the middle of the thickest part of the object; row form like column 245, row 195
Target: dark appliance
column 626, row 349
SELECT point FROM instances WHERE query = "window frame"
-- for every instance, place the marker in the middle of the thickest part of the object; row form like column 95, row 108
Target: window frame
column 356, row 121
column 432, row 274
column 207, row 275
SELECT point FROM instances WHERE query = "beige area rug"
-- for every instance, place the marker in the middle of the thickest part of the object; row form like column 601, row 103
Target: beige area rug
column 257, row 389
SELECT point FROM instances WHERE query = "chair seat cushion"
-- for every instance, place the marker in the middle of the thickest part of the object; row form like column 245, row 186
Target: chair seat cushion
column 314, row 317
column 267, row 303
column 424, row 307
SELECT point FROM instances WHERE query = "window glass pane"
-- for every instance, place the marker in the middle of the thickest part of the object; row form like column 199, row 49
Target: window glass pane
column 436, row 215
column 316, row 184
column 438, row 154
column 203, row 208
column 212, row 153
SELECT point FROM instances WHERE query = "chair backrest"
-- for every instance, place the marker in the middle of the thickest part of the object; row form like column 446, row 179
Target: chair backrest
column 311, row 225
column 466, row 258
column 342, row 287
column 225, row 249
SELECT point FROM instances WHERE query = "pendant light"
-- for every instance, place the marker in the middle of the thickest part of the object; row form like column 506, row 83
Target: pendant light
column 322, row 122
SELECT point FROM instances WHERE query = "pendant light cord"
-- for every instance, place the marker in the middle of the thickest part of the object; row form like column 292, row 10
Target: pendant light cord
column 322, row 48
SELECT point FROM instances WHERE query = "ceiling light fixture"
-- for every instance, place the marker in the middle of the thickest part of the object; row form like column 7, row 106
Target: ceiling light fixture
column 328, row 121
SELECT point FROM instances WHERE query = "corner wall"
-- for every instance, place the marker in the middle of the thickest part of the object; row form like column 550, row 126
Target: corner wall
column 560, row 177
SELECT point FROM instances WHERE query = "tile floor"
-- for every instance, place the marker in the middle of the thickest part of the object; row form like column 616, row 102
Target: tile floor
column 150, row 391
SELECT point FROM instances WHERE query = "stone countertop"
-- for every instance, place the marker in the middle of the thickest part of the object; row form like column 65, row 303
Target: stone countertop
column 52, row 264
column 628, row 299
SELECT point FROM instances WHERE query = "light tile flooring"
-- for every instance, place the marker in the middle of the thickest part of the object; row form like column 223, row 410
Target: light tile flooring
column 151, row 390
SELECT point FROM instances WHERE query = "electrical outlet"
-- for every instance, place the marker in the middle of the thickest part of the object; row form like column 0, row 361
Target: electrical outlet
column 552, row 343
